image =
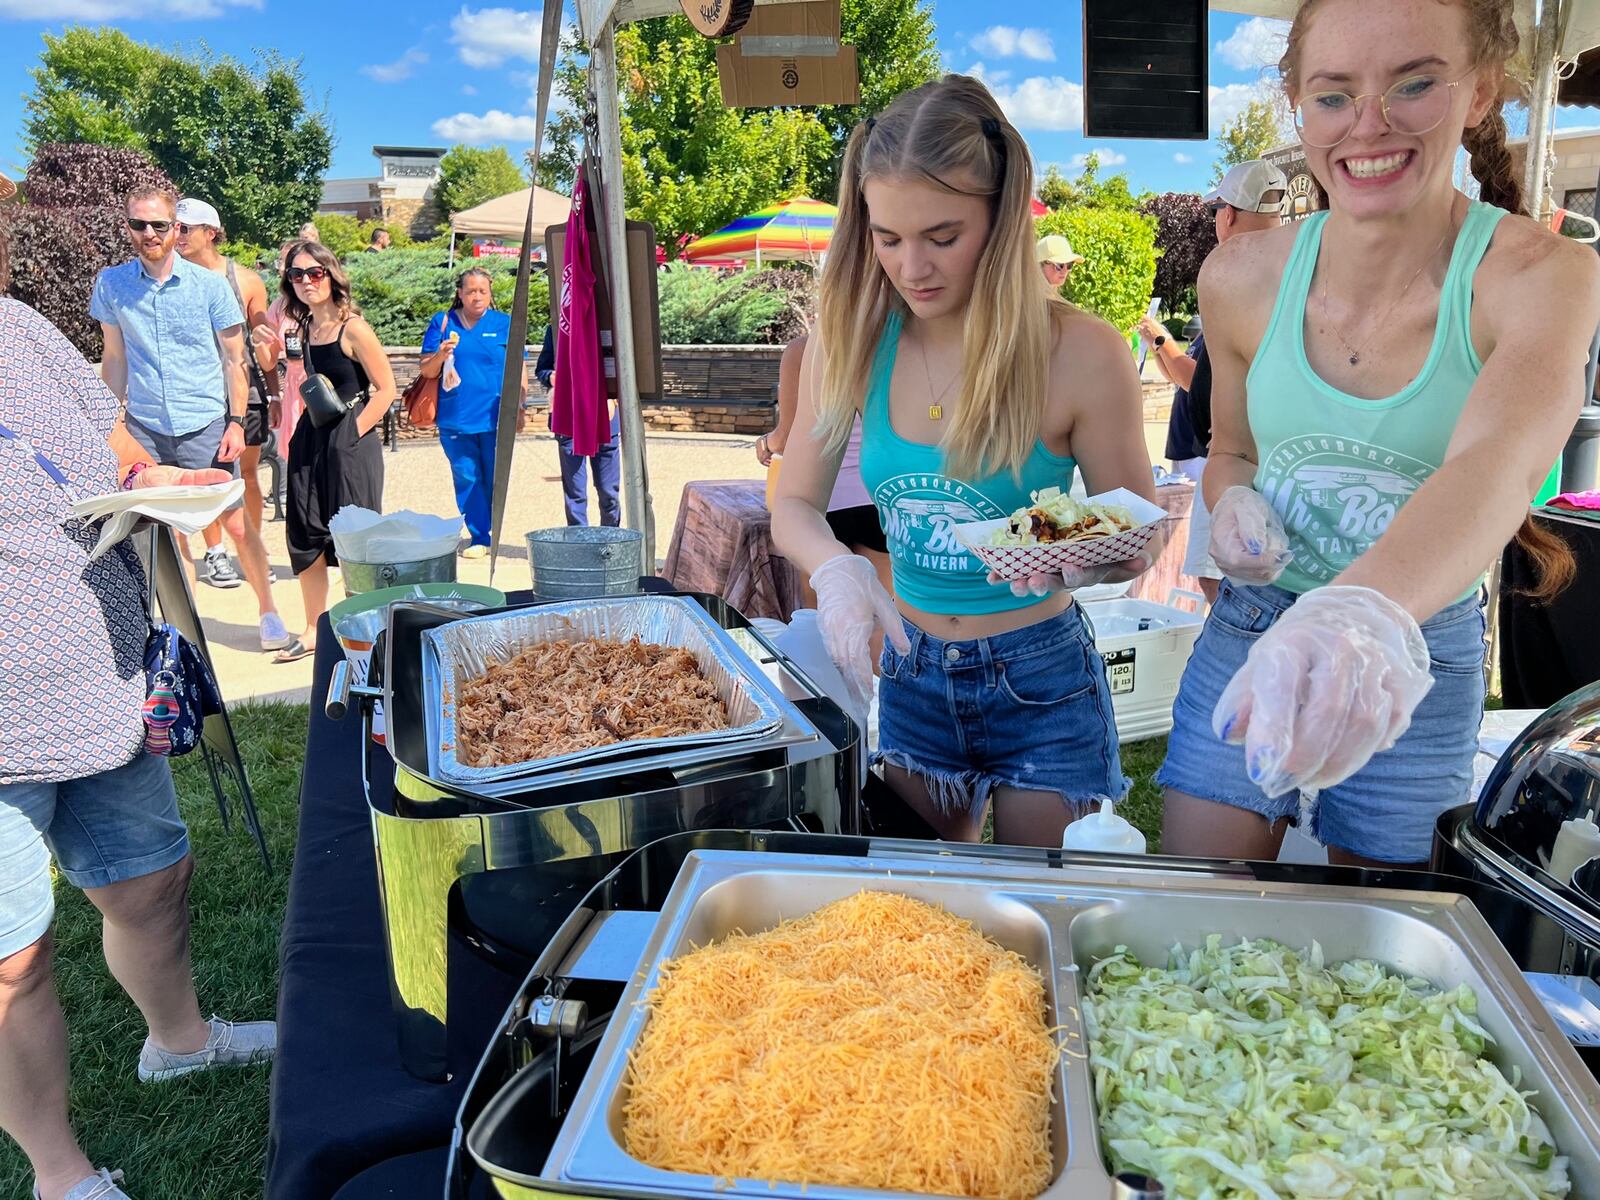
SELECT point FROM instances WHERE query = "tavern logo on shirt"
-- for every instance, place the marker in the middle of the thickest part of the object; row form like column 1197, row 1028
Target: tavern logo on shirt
column 919, row 513
column 1336, row 496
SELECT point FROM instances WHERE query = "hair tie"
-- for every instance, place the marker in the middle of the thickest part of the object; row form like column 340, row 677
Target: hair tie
column 991, row 127
column 871, row 123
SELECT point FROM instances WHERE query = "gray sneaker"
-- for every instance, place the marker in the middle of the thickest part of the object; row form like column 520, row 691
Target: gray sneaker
column 102, row 1185
column 219, row 569
column 230, row 1045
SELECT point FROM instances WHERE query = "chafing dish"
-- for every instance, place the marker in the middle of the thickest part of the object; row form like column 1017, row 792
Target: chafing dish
column 543, row 1114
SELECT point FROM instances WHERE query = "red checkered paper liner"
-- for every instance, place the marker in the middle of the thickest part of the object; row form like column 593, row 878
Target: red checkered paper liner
column 1050, row 558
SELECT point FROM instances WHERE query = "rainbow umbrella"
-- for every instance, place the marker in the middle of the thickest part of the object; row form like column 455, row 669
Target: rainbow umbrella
column 798, row 228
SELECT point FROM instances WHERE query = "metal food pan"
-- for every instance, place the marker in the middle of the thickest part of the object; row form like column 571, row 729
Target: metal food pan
column 456, row 653
column 1064, row 921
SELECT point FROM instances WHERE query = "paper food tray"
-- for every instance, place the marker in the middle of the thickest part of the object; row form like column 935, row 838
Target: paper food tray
column 1019, row 562
column 457, row 653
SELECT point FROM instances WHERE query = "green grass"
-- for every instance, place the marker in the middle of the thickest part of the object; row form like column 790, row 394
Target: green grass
column 202, row 1137
column 1142, row 808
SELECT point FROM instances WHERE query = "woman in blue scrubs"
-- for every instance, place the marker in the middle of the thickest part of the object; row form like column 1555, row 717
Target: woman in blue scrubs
column 477, row 333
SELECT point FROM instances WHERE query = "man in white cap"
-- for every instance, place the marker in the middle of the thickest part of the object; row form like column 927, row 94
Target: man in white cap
column 199, row 230
column 1250, row 198
column 1056, row 259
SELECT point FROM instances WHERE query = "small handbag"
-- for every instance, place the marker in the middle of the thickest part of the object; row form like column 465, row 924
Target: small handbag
column 421, row 397
column 180, row 693
column 324, row 405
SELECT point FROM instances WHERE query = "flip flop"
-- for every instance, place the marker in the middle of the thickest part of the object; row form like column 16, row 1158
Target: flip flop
column 294, row 652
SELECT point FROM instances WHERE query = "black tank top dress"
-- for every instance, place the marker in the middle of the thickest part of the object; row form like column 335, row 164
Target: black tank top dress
column 330, row 467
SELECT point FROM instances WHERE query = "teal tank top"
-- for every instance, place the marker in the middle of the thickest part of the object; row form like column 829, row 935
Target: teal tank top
column 918, row 505
column 1336, row 467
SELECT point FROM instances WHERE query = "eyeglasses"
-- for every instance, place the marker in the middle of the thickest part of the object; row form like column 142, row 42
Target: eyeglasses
column 1415, row 105
column 308, row 274
column 186, row 230
column 138, row 226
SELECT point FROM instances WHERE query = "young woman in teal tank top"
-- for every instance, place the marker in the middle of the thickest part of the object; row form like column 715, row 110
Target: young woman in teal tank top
column 975, row 387
column 1391, row 381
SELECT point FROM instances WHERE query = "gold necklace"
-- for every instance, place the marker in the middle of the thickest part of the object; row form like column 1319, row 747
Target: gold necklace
column 936, row 409
column 1355, row 351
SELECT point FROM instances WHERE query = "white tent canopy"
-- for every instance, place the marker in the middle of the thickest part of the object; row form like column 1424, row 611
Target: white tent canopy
column 503, row 216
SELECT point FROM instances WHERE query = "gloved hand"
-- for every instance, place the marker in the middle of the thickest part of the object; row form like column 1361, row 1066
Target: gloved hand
column 1073, row 578
column 1331, row 684
column 1248, row 540
column 851, row 605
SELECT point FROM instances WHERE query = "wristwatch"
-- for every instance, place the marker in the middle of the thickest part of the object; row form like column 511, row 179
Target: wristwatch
column 234, row 419
column 1160, row 341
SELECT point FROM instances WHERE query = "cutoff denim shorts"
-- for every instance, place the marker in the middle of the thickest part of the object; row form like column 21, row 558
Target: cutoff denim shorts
column 1385, row 811
column 1029, row 709
column 102, row 829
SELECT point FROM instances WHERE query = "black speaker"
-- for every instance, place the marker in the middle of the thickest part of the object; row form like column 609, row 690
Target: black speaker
column 1145, row 69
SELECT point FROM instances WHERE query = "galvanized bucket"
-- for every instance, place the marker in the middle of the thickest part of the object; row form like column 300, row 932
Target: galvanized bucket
column 369, row 577
column 576, row 562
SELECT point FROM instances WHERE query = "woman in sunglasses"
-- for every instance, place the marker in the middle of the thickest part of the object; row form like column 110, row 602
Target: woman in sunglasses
column 339, row 463
column 1391, row 381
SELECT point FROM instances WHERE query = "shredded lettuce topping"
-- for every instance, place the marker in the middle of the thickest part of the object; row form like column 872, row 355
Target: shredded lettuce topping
column 1254, row 1071
column 1057, row 516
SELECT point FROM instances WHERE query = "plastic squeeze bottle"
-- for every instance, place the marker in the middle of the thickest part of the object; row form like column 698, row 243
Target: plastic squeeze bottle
column 1103, row 832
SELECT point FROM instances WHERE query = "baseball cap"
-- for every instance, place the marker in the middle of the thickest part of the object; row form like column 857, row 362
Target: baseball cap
column 1255, row 186
column 198, row 212
column 1056, row 249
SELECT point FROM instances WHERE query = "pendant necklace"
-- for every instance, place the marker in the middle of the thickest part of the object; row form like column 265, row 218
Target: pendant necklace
column 1356, row 351
column 936, row 409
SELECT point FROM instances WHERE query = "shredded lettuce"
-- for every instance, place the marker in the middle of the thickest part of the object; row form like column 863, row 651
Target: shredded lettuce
column 1089, row 518
column 1253, row 1071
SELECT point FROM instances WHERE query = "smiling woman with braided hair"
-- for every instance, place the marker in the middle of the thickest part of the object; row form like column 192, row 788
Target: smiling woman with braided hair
column 1392, row 380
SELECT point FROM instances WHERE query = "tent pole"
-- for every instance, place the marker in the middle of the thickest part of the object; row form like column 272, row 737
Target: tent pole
column 452, row 261
column 1541, row 107
column 639, row 512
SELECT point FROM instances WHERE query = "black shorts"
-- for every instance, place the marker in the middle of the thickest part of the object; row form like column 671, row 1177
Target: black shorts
column 257, row 429
column 858, row 526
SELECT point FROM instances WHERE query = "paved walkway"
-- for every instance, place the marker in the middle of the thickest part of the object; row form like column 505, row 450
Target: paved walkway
column 417, row 477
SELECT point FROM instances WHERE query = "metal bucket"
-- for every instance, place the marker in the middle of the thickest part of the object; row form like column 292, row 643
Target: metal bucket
column 576, row 562
column 369, row 577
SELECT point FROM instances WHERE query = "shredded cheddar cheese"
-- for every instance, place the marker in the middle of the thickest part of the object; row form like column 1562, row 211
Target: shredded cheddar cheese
column 880, row 1043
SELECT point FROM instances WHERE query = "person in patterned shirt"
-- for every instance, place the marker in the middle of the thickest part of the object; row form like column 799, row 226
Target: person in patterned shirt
column 76, row 784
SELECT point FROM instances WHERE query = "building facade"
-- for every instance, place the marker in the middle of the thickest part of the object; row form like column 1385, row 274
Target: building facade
column 401, row 194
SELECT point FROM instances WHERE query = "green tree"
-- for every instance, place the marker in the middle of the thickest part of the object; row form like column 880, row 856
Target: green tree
column 240, row 136
column 1088, row 190
column 468, row 176
column 1251, row 134
column 1119, row 267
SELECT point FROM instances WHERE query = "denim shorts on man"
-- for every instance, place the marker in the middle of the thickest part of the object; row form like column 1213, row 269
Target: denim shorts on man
column 1029, row 709
column 102, row 829
column 1387, row 810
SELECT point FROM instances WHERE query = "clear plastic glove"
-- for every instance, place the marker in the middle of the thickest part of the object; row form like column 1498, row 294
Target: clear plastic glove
column 1248, row 541
column 851, row 606
column 1334, row 682
column 1073, row 578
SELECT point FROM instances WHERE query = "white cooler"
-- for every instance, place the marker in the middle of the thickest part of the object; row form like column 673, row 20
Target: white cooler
column 1145, row 646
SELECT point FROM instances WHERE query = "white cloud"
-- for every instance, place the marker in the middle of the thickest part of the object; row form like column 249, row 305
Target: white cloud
column 1105, row 154
column 1228, row 102
column 468, row 90
column 400, row 69
column 1043, row 103
column 1007, row 41
column 1257, row 43
column 1182, row 159
column 491, row 37
column 492, row 126
column 117, row 10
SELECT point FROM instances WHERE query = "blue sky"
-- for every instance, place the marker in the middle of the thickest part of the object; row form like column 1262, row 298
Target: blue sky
column 408, row 73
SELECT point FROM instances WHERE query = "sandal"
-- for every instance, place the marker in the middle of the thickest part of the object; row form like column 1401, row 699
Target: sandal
column 294, row 652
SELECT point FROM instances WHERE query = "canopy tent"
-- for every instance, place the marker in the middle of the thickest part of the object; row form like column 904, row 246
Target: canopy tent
column 1562, row 31
column 798, row 228
column 503, row 217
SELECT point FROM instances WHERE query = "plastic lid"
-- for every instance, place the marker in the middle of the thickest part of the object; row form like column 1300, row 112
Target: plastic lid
column 1103, row 832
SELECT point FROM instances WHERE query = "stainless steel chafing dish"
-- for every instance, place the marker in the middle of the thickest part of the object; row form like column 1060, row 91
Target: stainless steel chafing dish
column 544, row 1116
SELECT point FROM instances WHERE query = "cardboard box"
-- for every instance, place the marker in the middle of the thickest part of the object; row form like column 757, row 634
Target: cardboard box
column 770, row 82
column 778, row 30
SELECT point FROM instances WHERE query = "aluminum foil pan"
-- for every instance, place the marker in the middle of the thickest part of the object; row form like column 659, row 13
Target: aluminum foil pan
column 461, row 651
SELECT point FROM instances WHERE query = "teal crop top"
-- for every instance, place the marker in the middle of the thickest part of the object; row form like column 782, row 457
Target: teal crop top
column 918, row 504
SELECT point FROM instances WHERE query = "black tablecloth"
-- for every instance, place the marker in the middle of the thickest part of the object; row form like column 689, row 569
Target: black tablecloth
column 1549, row 651
column 341, row 1101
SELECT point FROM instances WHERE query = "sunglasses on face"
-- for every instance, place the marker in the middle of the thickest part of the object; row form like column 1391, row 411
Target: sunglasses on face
column 138, row 226
column 186, row 230
column 307, row 274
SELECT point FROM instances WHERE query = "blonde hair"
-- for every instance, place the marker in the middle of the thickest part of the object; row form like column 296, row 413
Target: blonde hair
column 941, row 131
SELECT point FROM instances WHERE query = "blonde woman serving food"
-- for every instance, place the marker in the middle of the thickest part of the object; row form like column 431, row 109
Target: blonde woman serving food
column 1392, row 380
column 975, row 389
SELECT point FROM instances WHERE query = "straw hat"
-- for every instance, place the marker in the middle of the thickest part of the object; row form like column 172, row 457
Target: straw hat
column 7, row 188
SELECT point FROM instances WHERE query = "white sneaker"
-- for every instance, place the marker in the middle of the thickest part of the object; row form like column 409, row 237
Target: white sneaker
column 102, row 1185
column 230, row 1045
column 219, row 569
column 274, row 635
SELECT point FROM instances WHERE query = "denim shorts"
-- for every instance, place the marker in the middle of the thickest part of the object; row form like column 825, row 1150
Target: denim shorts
column 1029, row 709
column 102, row 829
column 1386, row 810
